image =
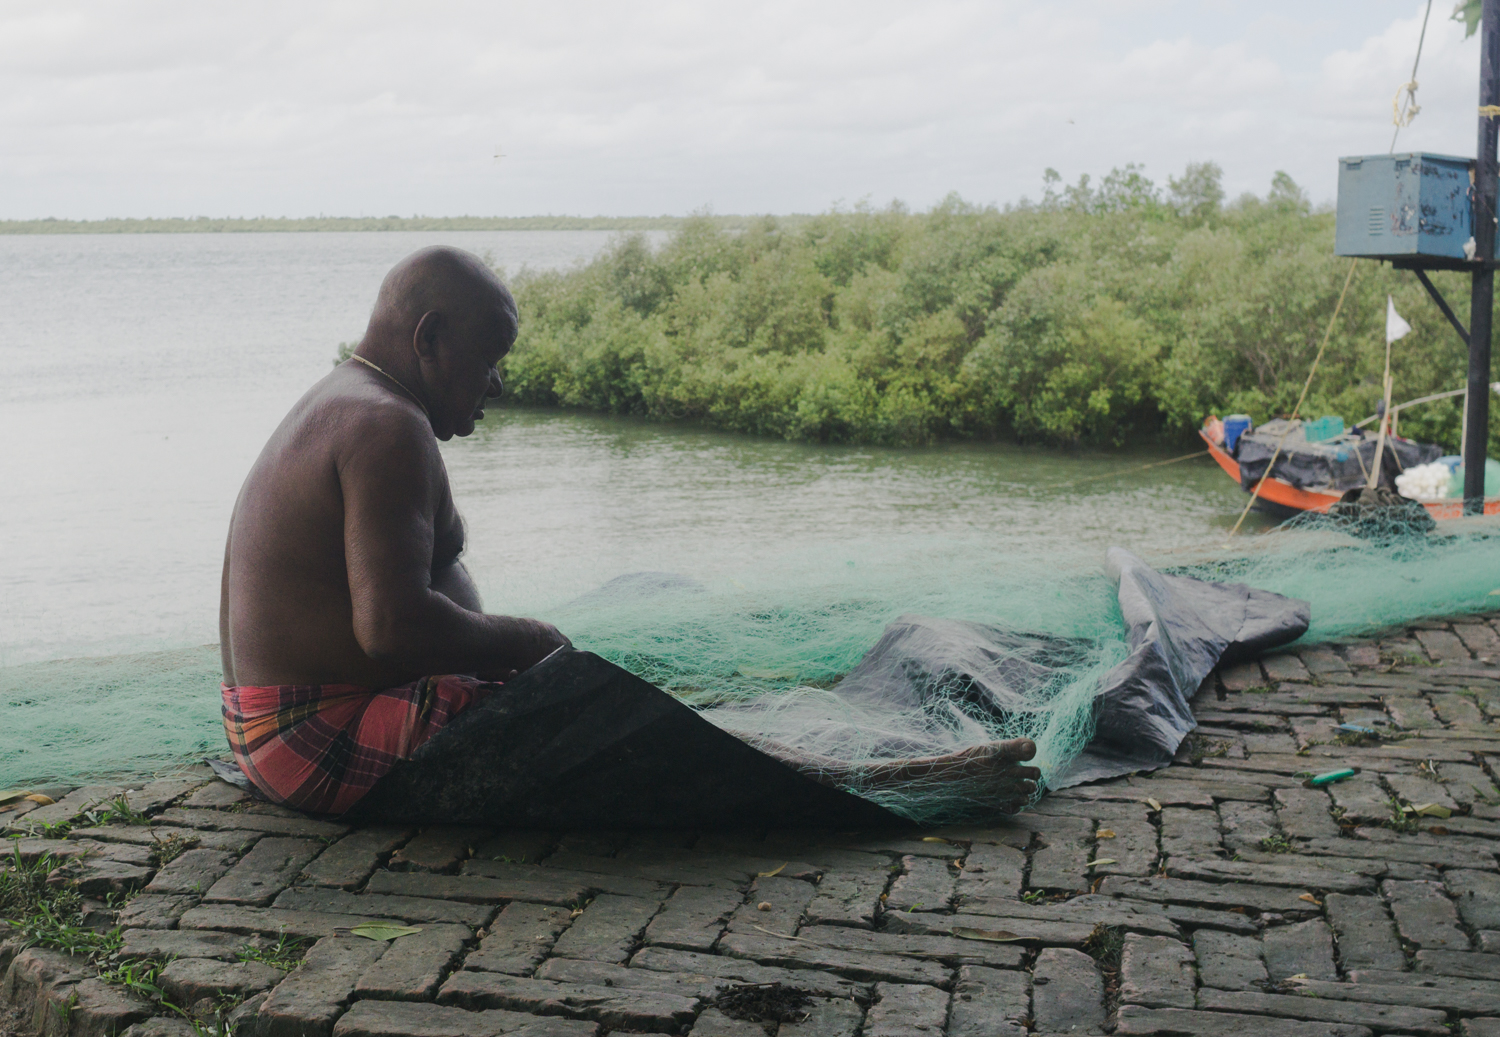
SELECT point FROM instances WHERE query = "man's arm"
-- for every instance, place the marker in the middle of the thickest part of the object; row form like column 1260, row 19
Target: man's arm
column 392, row 481
column 453, row 582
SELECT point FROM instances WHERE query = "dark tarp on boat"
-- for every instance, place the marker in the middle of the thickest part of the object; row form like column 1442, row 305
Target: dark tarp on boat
column 1334, row 465
column 577, row 741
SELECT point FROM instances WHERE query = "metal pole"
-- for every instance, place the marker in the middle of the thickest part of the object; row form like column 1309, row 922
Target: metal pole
column 1482, row 299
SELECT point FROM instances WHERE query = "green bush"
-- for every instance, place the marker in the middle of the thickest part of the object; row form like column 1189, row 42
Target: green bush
column 1096, row 316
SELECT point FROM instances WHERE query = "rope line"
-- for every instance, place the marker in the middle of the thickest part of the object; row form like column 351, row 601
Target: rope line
column 1403, row 112
column 1254, row 494
column 1142, row 468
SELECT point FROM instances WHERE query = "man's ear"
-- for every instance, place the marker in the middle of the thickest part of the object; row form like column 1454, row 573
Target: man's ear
column 424, row 340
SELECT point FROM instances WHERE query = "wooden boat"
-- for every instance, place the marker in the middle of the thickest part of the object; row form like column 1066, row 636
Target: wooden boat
column 1281, row 498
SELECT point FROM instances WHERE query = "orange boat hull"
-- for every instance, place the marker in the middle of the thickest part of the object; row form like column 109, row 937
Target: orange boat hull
column 1279, row 491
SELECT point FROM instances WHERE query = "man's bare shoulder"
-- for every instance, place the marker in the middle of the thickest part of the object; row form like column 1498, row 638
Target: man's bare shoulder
column 359, row 419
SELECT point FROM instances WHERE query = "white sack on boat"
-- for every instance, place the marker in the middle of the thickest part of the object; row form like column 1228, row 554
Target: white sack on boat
column 1424, row 481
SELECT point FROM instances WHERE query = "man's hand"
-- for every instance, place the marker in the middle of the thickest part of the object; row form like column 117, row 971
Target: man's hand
column 539, row 639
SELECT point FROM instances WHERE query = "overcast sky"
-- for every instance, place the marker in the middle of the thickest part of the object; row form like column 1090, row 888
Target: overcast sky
column 282, row 108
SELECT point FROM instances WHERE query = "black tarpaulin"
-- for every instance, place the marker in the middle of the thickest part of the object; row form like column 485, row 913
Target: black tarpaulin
column 1179, row 629
column 578, row 742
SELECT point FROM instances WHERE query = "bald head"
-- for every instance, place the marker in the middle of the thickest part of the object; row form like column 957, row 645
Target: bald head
column 441, row 323
column 443, row 280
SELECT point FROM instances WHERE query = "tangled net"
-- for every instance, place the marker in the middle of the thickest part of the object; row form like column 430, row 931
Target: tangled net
column 763, row 654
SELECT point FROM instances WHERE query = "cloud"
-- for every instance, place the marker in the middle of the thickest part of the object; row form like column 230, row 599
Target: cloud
column 162, row 107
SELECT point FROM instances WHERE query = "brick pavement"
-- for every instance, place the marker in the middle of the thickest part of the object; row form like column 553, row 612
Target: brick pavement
column 1217, row 896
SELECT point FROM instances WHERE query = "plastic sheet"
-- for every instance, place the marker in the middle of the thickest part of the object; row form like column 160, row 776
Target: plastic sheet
column 580, row 741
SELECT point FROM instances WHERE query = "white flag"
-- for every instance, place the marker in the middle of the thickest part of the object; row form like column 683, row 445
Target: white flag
column 1395, row 327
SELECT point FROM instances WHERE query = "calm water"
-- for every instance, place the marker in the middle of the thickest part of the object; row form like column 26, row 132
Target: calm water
column 140, row 375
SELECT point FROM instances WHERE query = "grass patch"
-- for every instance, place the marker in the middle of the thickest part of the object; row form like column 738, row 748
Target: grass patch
column 117, row 811
column 164, row 851
column 1104, row 945
column 284, row 954
column 1400, row 821
column 1277, row 844
column 140, row 976
column 1200, row 749
column 49, row 916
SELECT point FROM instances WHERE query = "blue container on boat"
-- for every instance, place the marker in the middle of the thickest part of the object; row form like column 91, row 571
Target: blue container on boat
column 1235, row 426
column 1393, row 206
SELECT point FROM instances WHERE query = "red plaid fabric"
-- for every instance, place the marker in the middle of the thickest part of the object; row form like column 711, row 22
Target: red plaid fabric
column 321, row 747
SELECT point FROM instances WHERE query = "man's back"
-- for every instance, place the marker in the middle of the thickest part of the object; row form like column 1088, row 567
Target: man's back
column 287, row 612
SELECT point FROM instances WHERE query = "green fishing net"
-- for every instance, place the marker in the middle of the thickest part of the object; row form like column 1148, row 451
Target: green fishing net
column 761, row 653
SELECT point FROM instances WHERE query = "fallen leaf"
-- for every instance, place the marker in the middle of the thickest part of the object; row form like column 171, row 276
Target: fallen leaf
column 1432, row 810
column 957, row 863
column 1311, row 899
column 12, row 794
column 933, row 839
column 1438, row 830
column 379, row 932
column 40, row 800
column 771, row 874
column 1105, row 833
column 963, row 932
column 1153, row 804
column 1101, row 861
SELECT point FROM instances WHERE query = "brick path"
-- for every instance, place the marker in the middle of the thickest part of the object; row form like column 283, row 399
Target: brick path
column 1234, row 900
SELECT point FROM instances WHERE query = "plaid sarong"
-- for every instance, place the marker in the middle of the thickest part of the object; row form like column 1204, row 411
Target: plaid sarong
column 321, row 747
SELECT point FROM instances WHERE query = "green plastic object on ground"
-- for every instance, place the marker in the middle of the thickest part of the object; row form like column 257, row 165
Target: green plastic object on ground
column 1327, row 427
column 1332, row 776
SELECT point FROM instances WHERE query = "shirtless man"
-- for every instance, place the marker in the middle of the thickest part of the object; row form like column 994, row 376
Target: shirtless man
column 343, row 592
column 342, row 571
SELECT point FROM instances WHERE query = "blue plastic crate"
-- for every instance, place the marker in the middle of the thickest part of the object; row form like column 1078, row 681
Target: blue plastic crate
column 1391, row 206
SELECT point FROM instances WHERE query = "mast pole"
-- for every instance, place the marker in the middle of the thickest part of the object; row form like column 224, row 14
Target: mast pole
column 1482, row 297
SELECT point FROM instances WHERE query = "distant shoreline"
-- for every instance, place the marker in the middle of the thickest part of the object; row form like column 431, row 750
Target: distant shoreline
column 240, row 225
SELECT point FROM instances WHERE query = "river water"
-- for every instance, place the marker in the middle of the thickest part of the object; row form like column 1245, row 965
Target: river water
column 140, row 375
